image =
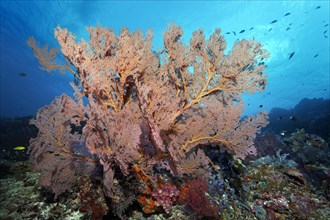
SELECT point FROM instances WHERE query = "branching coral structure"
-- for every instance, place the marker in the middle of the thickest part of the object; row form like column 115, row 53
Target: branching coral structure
column 154, row 110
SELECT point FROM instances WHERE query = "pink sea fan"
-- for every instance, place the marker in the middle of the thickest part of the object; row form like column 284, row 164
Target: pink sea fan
column 59, row 153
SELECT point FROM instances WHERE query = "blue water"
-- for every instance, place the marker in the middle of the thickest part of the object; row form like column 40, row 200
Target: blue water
column 304, row 32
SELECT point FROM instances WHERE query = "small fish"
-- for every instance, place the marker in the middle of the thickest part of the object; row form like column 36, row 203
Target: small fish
column 76, row 80
column 270, row 29
column 316, row 55
column 325, row 36
column 234, row 33
column 295, row 174
column 318, row 7
column 251, row 28
column 19, row 148
column 242, row 31
column 22, row 74
column 290, row 24
column 326, row 25
column 216, row 167
column 291, row 55
column 292, row 118
column 280, row 117
column 274, row 21
column 261, row 63
column 227, row 32
column 288, row 28
column 287, row 14
column 283, row 133
column 260, row 106
column 325, row 31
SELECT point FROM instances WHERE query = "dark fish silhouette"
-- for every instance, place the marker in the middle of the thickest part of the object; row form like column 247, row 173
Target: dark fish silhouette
column 270, row 29
column 325, row 36
column 316, row 55
column 76, row 80
column 242, row 31
column 273, row 22
column 325, row 31
column 290, row 24
column 291, row 55
column 326, row 25
column 22, row 74
column 318, row 7
column 228, row 33
column 260, row 106
column 234, row 33
column 287, row 14
column 288, row 28
column 251, row 28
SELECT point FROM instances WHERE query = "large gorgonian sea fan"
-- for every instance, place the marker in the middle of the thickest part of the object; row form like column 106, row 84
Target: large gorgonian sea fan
column 147, row 106
column 59, row 151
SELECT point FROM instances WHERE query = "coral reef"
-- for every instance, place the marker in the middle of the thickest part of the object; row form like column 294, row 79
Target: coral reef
column 22, row 198
column 309, row 152
column 149, row 116
column 282, row 193
column 166, row 196
column 271, row 187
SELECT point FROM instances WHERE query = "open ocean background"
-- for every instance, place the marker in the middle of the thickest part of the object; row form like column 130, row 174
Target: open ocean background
column 301, row 27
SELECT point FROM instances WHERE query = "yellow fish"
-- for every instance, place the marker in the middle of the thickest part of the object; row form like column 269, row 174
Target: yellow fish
column 216, row 167
column 19, row 148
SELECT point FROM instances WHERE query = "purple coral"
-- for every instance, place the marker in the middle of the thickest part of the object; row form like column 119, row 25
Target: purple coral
column 165, row 196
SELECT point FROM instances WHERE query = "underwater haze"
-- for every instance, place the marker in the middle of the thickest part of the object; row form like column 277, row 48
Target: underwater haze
column 296, row 33
column 101, row 118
